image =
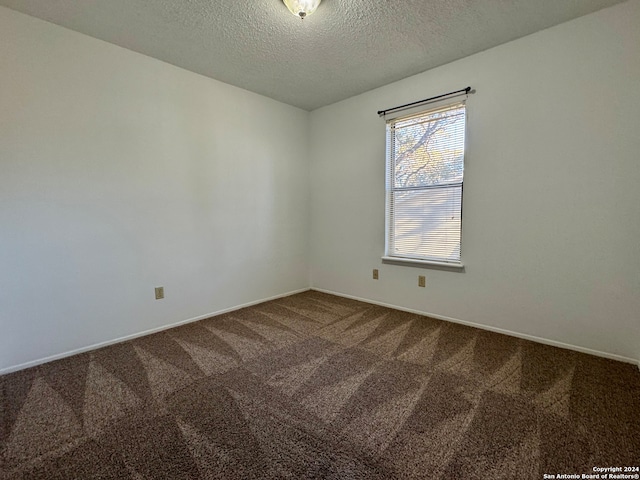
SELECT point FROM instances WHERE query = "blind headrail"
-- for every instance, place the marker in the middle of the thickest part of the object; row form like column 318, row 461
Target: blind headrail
column 426, row 100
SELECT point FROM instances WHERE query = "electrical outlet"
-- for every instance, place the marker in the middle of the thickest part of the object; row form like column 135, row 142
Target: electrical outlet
column 375, row 274
column 421, row 281
column 159, row 293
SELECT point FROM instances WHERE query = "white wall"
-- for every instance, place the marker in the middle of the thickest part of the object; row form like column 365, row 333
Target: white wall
column 551, row 226
column 119, row 173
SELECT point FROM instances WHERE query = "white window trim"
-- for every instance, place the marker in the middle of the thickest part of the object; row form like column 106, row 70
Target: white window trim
column 416, row 262
column 422, row 263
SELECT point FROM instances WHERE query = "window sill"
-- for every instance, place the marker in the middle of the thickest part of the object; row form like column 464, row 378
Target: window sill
column 423, row 263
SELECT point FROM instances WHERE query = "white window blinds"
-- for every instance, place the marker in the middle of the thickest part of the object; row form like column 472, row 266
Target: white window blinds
column 425, row 166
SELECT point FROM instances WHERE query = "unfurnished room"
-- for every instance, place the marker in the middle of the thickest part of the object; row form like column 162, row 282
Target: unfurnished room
column 319, row 239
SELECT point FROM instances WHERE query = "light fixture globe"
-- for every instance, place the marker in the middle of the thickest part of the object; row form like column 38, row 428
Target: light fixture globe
column 302, row 8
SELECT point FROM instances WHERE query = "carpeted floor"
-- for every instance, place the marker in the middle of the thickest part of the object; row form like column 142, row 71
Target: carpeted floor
column 317, row 386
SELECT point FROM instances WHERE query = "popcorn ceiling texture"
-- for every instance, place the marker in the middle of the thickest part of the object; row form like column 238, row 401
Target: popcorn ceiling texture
column 345, row 48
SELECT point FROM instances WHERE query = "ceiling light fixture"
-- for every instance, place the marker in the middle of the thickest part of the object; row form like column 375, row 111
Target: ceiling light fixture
column 302, row 8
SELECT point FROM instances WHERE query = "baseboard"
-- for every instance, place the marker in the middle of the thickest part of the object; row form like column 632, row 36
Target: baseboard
column 533, row 338
column 95, row 346
column 524, row 336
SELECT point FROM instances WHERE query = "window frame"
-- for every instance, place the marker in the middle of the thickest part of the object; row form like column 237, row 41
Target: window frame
column 417, row 260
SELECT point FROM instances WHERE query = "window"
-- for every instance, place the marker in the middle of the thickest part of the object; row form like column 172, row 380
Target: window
column 425, row 166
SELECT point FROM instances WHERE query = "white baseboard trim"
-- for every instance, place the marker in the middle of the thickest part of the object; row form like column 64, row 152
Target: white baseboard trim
column 95, row 346
column 553, row 343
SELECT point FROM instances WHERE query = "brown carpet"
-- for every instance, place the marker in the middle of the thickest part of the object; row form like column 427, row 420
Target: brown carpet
column 317, row 386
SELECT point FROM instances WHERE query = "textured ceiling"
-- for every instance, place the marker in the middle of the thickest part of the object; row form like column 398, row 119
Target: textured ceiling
column 345, row 48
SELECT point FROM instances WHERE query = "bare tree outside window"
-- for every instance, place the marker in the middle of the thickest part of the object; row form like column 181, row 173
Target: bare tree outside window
column 424, row 184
